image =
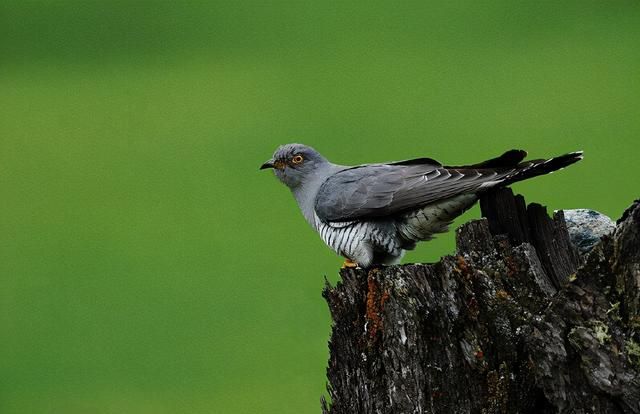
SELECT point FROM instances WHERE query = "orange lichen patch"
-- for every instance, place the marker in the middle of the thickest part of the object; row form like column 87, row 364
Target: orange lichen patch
column 502, row 295
column 373, row 311
column 461, row 265
column 383, row 299
column 463, row 268
column 375, row 306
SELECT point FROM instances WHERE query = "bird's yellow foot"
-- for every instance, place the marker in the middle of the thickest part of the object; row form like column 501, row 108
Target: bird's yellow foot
column 348, row 263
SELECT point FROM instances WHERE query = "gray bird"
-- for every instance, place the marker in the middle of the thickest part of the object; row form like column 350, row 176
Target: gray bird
column 373, row 213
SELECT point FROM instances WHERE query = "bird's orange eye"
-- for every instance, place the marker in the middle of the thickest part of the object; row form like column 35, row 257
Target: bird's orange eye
column 297, row 159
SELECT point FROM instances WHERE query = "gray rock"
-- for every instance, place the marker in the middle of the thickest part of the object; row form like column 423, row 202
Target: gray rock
column 586, row 227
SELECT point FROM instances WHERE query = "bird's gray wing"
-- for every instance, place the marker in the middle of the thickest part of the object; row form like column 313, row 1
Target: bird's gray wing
column 378, row 190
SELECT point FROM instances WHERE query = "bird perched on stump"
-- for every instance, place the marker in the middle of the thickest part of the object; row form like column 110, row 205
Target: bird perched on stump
column 373, row 213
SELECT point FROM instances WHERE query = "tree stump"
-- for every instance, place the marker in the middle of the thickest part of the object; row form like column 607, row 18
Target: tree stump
column 515, row 322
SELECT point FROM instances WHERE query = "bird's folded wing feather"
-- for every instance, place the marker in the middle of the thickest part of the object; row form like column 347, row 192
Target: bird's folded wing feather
column 378, row 190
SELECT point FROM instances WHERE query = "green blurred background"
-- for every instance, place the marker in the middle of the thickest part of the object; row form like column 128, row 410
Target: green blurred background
column 147, row 266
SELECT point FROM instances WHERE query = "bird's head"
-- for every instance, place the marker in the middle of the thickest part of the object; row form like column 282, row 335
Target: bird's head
column 295, row 164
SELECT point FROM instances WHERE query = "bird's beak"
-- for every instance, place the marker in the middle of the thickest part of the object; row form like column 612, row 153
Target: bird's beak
column 277, row 164
column 268, row 164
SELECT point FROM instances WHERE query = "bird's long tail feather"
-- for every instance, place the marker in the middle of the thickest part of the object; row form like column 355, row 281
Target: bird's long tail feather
column 533, row 168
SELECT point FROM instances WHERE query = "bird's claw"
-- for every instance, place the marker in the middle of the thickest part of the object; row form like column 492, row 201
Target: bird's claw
column 349, row 264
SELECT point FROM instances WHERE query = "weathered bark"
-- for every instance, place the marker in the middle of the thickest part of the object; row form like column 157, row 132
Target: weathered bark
column 515, row 322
